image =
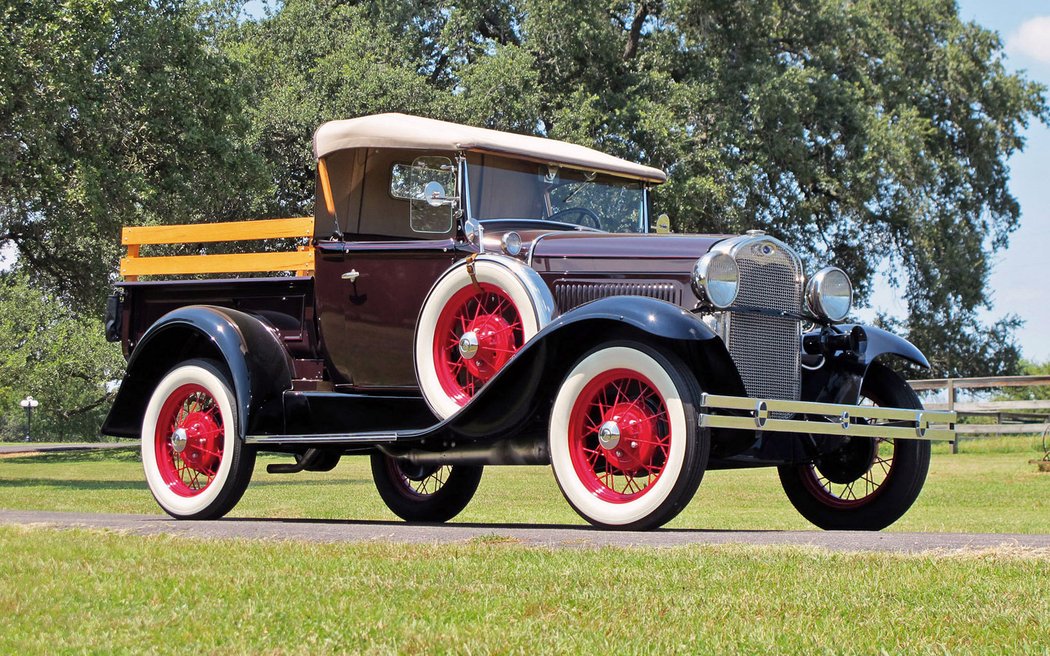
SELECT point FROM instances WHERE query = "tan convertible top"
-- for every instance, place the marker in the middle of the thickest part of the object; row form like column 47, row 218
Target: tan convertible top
column 403, row 131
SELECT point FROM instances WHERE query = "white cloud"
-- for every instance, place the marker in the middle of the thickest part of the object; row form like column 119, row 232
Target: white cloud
column 1032, row 39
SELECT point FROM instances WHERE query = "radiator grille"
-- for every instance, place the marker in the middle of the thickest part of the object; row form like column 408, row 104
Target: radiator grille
column 572, row 293
column 764, row 348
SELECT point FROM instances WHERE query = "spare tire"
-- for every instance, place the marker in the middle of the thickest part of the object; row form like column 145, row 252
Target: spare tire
column 477, row 316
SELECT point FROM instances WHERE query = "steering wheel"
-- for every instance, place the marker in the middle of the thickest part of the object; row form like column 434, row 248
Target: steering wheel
column 587, row 218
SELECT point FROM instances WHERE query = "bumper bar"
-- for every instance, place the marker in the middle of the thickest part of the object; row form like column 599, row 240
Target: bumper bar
column 826, row 418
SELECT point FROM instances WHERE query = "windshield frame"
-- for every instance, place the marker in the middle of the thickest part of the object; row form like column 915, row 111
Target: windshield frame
column 551, row 181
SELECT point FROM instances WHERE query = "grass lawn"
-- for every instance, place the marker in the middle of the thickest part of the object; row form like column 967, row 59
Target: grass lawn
column 75, row 591
column 103, row 592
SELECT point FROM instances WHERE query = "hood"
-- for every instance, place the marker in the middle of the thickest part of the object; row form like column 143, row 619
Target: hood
column 619, row 253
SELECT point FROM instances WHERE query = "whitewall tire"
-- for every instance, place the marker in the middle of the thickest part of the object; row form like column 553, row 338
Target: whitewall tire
column 625, row 446
column 469, row 328
column 195, row 464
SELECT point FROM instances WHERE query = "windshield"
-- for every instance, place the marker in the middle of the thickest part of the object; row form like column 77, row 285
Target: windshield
column 510, row 190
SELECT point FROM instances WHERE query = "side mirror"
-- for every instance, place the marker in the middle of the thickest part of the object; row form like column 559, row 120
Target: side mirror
column 424, row 185
column 434, row 194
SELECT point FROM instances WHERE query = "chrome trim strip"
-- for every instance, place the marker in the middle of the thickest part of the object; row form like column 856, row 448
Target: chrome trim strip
column 923, row 424
column 532, row 247
column 321, row 438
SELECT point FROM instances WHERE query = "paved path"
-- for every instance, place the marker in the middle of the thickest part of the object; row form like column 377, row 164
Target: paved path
column 525, row 534
column 32, row 448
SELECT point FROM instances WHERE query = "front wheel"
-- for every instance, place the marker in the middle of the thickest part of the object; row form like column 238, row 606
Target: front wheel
column 625, row 444
column 866, row 483
column 196, row 465
column 424, row 493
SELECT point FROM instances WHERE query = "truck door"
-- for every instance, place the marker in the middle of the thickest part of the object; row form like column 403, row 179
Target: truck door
column 371, row 286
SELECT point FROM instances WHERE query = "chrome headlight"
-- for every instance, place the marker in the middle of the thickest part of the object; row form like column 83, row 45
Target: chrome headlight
column 829, row 294
column 511, row 243
column 716, row 279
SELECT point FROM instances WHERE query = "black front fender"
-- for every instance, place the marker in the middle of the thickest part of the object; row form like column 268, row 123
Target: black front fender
column 259, row 366
column 520, row 395
column 836, row 360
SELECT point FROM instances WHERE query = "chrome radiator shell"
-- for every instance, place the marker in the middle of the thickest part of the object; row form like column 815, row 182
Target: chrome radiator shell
column 762, row 330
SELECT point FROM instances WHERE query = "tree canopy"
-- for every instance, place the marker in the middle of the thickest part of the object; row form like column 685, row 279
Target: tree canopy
column 112, row 112
column 871, row 134
column 59, row 358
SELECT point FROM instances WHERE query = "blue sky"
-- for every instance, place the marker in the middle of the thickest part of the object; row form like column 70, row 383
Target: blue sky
column 1018, row 278
column 1017, row 282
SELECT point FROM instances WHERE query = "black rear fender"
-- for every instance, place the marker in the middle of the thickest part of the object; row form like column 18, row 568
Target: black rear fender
column 259, row 367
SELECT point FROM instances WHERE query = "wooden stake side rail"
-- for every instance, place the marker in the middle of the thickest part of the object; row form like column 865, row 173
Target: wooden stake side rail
column 301, row 260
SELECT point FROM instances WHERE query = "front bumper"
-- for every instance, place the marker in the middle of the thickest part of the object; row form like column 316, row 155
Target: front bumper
column 825, row 418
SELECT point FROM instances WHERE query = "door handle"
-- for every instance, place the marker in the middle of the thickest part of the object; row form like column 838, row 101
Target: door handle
column 350, row 275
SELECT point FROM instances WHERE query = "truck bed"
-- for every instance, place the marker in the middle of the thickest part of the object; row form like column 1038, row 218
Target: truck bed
column 286, row 303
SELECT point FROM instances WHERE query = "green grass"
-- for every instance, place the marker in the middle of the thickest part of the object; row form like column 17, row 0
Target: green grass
column 77, row 591
column 80, row 591
column 993, row 491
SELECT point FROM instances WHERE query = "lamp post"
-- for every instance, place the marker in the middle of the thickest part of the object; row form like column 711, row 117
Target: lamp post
column 29, row 403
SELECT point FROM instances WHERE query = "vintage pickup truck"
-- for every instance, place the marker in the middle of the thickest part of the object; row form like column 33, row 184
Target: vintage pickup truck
column 466, row 297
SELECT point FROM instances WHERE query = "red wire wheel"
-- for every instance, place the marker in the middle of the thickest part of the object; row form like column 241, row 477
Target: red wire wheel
column 478, row 331
column 189, row 440
column 829, row 485
column 424, row 493
column 195, row 464
column 625, row 441
column 619, row 435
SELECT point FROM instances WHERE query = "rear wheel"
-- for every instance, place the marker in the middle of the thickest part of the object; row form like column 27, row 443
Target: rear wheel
column 867, row 483
column 424, row 493
column 625, row 444
column 196, row 465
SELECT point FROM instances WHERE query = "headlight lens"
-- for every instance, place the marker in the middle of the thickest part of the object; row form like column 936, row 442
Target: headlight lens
column 716, row 279
column 830, row 294
column 511, row 243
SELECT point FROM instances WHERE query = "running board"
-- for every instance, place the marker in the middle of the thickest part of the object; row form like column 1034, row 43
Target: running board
column 323, row 438
column 826, row 418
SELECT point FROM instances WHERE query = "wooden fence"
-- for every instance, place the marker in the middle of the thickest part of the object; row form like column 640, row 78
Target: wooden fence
column 1011, row 417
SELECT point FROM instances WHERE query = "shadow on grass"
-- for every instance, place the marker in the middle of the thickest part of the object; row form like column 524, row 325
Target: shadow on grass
column 288, row 482
column 97, row 484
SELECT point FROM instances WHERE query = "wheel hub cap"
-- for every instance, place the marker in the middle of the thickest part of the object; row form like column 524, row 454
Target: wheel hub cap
column 202, row 438
column 628, row 437
column 468, row 345
column 850, row 461
column 178, row 440
column 609, row 435
column 489, row 342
